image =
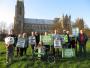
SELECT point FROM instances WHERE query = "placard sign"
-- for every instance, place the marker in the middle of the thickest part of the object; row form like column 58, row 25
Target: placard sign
column 47, row 40
column 68, row 53
column 20, row 42
column 9, row 40
column 75, row 31
column 57, row 44
column 32, row 40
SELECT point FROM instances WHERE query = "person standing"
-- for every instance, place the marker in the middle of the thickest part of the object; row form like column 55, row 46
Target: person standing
column 74, row 44
column 12, row 34
column 64, row 39
column 37, row 38
column 56, row 36
column 45, row 43
column 69, row 39
column 9, row 41
column 25, row 37
column 82, row 40
column 32, row 42
column 19, row 48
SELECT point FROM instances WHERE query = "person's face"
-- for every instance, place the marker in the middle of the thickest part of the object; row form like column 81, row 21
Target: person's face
column 19, row 35
column 45, row 33
column 24, row 35
column 55, row 31
column 36, row 33
column 67, row 32
column 32, row 33
column 81, row 31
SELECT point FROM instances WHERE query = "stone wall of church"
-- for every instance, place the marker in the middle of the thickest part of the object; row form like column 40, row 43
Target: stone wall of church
column 37, row 27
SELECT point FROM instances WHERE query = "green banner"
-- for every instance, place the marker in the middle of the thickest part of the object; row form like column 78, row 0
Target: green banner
column 68, row 53
column 47, row 40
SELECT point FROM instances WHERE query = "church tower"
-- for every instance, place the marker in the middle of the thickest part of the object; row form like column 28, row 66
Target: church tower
column 19, row 17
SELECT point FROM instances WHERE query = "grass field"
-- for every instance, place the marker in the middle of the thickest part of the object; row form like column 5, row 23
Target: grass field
column 26, row 62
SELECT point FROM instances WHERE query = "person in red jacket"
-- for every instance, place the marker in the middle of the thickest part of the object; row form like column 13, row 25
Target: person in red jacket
column 82, row 40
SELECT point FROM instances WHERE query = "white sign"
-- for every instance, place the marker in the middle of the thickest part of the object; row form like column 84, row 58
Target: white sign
column 57, row 44
column 20, row 42
column 9, row 40
column 32, row 40
column 68, row 53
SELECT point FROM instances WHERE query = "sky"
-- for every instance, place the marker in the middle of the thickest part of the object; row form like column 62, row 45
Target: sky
column 47, row 9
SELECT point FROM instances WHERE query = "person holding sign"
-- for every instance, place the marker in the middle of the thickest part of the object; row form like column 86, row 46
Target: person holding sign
column 25, row 37
column 9, row 41
column 12, row 34
column 57, row 38
column 46, row 39
column 57, row 41
column 20, row 45
column 32, row 42
column 82, row 39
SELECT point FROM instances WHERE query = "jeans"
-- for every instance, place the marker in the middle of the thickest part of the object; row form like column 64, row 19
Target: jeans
column 82, row 49
column 9, row 54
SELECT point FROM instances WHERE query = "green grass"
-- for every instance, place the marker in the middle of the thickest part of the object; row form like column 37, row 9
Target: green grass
column 26, row 62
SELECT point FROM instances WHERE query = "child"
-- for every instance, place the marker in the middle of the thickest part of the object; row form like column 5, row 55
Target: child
column 41, row 50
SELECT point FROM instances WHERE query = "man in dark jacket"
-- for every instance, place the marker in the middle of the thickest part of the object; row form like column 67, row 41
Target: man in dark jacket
column 37, row 36
column 69, row 40
column 82, row 40
column 12, row 34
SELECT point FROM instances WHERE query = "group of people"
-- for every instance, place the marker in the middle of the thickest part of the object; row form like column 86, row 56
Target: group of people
column 22, row 42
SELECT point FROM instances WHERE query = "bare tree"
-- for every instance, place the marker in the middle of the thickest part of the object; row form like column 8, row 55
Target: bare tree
column 57, row 25
column 80, row 23
column 3, row 27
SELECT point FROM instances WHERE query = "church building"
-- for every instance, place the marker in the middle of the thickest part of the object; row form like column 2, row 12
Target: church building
column 22, row 24
column 27, row 25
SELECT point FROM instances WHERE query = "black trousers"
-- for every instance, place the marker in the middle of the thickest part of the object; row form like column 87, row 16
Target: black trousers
column 21, row 51
column 82, row 49
column 32, row 46
column 18, row 51
column 47, row 49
